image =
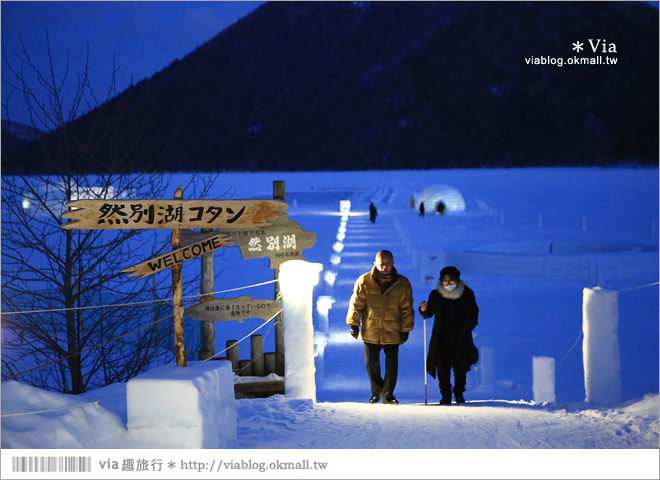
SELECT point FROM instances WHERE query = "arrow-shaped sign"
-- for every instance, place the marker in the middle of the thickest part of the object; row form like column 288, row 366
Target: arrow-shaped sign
column 225, row 309
column 283, row 240
column 179, row 255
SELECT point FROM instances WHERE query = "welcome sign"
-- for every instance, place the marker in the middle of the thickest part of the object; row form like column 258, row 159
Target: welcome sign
column 179, row 255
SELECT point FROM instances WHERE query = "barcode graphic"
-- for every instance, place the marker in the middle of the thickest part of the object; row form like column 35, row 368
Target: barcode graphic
column 51, row 464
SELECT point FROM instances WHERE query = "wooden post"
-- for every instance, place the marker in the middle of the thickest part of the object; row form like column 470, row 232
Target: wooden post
column 279, row 193
column 257, row 345
column 177, row 296
column 206, row 329
column 232, row 353
column 244, row 367
column 269, row 363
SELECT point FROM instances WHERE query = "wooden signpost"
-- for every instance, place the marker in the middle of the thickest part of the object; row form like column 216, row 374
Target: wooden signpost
column 177, row 297
column 260, row 228
column 225, row 309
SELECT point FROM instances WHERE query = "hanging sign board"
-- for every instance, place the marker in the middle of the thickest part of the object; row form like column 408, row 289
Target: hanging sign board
column 179, row 255
column 283, row 240
column 146, row 214
column 225, row 309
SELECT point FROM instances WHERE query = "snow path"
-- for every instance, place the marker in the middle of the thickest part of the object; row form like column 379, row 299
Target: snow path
column 479, row 424
column 494, row 424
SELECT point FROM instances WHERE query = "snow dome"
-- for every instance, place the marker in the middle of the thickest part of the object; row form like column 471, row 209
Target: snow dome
column 440, row 199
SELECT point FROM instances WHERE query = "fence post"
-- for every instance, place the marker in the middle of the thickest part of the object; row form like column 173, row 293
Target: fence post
column 269, row 363
column 232, row 354
column 543, row 369
column 487, row 366
column 600, row 346
column 244, row 368
column 257, row 350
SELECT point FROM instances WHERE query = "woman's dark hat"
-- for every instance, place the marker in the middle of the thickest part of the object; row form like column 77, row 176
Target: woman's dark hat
column 453, row 272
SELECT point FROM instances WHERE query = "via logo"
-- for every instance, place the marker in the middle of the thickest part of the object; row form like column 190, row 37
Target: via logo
column 596, row 45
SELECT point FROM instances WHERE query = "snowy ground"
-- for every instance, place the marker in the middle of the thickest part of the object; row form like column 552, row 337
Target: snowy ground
column 607, row 216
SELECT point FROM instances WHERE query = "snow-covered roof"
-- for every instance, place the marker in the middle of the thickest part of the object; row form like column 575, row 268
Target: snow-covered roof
column 436, row 194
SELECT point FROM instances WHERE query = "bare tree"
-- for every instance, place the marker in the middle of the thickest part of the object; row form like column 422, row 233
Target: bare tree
column 53, row 281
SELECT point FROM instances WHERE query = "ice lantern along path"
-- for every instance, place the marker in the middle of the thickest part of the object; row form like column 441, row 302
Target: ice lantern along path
column 600, row 346
column 297, row 281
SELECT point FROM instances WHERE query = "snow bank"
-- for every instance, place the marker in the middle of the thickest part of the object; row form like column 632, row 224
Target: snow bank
column 36, row 418
column 183, row 407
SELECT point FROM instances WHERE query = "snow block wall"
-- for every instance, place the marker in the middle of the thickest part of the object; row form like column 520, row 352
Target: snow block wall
column 297, row 281
column 600, row 346
column 183, row 407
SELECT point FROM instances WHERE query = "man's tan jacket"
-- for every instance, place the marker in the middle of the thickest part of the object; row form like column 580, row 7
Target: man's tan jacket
column 382, row 316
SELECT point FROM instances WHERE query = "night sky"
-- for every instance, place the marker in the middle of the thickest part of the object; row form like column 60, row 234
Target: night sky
column 144, row 37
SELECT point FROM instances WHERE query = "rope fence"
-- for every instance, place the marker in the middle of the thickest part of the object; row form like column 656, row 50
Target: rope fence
column 60, row 360
column 171, row 315
column 67, row 407
column 637, row 288
column 133, row 304
column 246, row 336
column 96, row 402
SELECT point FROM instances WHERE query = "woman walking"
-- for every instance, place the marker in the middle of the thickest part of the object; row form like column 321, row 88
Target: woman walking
column 451, row 347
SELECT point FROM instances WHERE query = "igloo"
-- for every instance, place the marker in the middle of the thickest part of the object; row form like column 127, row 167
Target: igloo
column 440, row 199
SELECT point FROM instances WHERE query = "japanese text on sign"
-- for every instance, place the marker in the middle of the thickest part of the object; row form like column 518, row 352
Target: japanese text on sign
column 122, row 214
column 146, row 214
column 273, row 243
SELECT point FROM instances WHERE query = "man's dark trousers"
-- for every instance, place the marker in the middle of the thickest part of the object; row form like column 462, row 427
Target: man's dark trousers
column 380, row 386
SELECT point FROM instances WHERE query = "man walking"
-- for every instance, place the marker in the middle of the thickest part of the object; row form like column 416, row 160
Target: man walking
column 382, row 304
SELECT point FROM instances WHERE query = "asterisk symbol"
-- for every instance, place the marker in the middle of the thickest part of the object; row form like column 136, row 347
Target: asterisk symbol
column 171, row 464
column 577, row 46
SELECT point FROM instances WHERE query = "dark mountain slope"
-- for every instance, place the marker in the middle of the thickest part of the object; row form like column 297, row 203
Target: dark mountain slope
column 325, row 85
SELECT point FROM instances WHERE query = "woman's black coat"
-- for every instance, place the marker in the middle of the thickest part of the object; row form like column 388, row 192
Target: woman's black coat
column 455, row 318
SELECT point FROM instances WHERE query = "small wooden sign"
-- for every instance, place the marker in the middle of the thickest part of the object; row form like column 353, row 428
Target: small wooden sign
column 146, row 214
column 225, row 309
column 179, row 255
column 283, row 240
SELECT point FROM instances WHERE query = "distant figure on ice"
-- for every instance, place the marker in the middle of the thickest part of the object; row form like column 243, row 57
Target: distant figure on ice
column 421, row 209
column 373, row 212
column 451, row 346
column 382, row 303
